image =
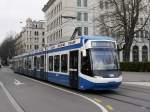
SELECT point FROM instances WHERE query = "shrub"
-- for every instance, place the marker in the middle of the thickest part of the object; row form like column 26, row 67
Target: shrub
column 135, row 66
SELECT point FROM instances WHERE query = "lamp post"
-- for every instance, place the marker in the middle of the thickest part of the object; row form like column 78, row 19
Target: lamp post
column 149, row 46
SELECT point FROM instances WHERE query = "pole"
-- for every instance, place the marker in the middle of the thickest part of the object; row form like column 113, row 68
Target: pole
column 149, row 48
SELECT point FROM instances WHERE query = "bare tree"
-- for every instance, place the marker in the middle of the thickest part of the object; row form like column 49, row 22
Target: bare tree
column 7, row 48
column 121, row 20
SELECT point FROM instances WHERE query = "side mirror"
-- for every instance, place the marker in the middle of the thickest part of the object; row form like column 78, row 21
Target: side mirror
column 84, row 53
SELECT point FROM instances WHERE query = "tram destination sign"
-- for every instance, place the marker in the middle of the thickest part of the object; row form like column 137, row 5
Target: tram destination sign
column 103, row 44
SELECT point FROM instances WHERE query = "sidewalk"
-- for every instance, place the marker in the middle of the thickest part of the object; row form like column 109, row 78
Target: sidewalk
column 136, row 78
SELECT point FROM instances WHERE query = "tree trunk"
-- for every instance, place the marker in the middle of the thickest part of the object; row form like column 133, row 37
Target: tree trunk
column 128, row 43
column 127, row 54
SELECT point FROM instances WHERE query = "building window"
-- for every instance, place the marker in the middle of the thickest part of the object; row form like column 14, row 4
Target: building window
column 79, row 31
column 79, row 16
column 106, row 5
column 36, row 47
column 144, row 53
column 85, row 30
column 146, row 34
column 56, row 63
column 124, row 56
column 142, row 33
column 43, row 33
column 101, row 5
column 37, row 33
column 64, row 63
column 43, row 40
column 141, row 21
column 85, row 3
column 51, row 62
column 61, row 33
column 85, row 16
column 137, row 35
column 135, row 53
column 79, row 3
column 123, row 53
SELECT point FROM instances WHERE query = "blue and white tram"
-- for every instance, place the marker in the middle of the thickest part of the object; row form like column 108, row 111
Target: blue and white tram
column 86, row 63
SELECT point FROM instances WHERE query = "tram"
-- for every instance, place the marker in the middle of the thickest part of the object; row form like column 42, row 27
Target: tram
column 85, row 63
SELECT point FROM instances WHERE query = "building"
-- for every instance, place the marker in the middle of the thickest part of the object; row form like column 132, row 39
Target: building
column 19, row 44
column 31, row 38
column 140, row 49
column 60, row 24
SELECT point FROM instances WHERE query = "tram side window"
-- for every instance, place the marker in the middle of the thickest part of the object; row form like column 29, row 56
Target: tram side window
column 35, row 60
column 22, row 63
column 56, row 63
column 38, row 63
column 51, row 63
column 25, row 64
column 29, row 63
column 86, row 64
column 64, row 63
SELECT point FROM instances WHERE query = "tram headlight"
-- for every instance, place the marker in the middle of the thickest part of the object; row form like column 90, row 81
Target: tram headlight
column 112, row 75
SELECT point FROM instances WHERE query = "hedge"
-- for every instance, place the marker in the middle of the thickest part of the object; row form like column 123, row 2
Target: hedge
column 135, row 66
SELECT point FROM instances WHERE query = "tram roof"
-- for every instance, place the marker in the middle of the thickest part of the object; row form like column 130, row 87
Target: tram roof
column 91, row 37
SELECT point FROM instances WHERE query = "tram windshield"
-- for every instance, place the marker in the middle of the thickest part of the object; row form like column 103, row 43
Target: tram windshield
column 99, row 59
column 104, row 59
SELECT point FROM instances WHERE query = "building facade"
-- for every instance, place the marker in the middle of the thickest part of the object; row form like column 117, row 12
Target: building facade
column 31, row 38
column 60, row 24
column 19, row 44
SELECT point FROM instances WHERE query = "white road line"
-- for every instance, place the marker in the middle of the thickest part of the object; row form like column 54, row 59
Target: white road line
column 11, row 99
column 102, row 108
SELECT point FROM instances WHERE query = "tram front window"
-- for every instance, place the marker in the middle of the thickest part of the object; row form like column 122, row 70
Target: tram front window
column 104, row 59
column 86, row 64
column 100, row 62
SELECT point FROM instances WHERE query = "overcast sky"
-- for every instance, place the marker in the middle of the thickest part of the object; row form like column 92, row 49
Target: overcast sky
column 12, row 12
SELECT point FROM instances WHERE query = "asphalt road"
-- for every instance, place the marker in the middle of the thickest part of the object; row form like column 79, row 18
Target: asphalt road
column 28, row 95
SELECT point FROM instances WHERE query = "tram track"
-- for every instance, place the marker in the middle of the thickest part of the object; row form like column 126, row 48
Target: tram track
column 137, row 89
column 137, row 98
column 128, row 102
column 128, row 95
column 129, row 98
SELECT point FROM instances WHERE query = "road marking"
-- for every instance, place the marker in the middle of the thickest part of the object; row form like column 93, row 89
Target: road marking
column 11, row 99
column 17, row 82
column 110, row 107
column 102, row 108
column 97, row 100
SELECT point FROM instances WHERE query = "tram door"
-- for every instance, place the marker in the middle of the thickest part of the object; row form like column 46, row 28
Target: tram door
column 42, row 67
column 73, row 69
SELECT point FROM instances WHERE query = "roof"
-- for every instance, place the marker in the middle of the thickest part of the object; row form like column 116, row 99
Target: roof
column 49, row 3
